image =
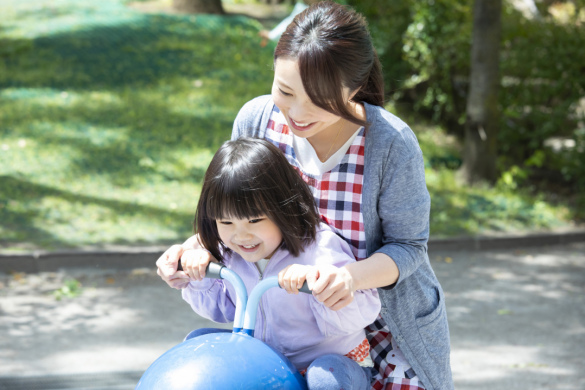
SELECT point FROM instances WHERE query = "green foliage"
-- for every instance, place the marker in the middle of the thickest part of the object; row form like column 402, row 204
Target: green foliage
column 388, row 21
column 71, row 289
column 462, row 210
column 426, row 46
column 542, row 95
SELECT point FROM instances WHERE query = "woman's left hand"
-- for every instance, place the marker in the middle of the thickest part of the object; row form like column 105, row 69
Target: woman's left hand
column 331, row 285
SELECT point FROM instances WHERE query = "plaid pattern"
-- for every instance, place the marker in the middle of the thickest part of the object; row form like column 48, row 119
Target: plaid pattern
column 338, row 194
column 361, row 352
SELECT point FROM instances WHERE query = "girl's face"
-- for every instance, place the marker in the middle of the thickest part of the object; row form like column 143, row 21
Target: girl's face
column 304, row 118
column 253, row 239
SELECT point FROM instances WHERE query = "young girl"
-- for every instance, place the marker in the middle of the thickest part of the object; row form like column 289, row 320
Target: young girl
column 258, row 217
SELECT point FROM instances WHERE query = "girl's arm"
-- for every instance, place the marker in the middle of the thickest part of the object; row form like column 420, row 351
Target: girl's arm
column 211, row 299
column 329, row 256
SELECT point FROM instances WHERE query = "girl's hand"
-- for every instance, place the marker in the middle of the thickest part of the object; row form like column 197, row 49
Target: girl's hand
column 168, row 262
column 292, row 277
column 331, row 285
column 194, row 262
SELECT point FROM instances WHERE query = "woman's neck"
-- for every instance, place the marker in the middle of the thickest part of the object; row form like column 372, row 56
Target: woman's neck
column 327, row 142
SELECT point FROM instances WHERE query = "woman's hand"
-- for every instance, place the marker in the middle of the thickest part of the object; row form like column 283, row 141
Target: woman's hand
column 294, row 276
column 331, row 285
column 167, row 264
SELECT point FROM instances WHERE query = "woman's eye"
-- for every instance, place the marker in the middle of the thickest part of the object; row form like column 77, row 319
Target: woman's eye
column 256, row 220
column 284, row 93
column 225, row 222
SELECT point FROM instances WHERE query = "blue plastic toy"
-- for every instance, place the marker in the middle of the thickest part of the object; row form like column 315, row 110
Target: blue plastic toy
column 226, row 360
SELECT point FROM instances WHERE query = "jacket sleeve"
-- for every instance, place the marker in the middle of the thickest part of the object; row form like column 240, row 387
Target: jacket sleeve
column 211, row 299
column 364, row 308
column 404, row 205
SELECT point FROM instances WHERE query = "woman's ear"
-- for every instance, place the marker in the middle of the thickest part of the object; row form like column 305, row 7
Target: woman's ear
column 352, row 95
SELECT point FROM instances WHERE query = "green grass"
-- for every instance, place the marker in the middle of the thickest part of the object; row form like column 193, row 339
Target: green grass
column 109, row 117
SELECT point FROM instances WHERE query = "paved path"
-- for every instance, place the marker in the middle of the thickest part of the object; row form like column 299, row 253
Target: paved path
column 517, row 321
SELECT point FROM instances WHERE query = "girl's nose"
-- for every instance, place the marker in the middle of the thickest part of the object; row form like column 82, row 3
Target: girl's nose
column 242, row 234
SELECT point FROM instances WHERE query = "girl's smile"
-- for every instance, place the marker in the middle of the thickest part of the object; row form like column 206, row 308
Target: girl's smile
column 254, row 239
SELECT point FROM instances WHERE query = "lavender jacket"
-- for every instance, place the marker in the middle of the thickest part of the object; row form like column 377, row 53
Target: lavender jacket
column 396, row 206
column 298, row 326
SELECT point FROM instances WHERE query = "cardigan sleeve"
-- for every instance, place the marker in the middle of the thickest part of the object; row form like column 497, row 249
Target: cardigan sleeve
column 403, row 204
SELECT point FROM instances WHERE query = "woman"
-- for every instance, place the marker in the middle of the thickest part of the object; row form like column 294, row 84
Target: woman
column 366, row 172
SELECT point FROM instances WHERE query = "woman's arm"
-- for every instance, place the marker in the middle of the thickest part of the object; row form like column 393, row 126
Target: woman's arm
column 168, row 262
column 335, row 287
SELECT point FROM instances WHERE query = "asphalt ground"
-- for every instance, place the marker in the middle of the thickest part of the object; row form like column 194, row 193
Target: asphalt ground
column 517, row 320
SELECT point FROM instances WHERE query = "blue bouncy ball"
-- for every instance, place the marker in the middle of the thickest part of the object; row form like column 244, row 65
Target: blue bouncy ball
column 222, row 361
column 225, row 360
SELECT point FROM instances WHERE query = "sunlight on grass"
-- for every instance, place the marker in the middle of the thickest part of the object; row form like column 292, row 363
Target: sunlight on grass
column 109, row 118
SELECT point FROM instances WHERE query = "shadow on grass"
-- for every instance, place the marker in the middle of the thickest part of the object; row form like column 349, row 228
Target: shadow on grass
column 23, row 223
column 113, row 138
column 140, row 52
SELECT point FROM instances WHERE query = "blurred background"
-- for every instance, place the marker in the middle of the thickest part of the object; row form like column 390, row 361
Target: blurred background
column 110, row 111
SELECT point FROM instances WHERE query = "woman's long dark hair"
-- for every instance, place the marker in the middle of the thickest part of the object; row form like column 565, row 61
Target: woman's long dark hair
column 250, row 177
column 333, row 47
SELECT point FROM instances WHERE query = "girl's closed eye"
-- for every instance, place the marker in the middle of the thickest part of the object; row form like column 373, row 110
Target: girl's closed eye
column 256, row 220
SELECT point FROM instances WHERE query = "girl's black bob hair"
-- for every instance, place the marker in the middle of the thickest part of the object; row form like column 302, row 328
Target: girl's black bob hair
column 248, row 178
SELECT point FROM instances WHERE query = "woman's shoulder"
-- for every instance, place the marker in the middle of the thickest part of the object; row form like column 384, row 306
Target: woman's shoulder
column 388, row 132
column 252, row 117
column 257, row 106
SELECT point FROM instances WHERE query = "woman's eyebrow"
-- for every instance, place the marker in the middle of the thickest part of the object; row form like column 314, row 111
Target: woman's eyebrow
column 283, row 84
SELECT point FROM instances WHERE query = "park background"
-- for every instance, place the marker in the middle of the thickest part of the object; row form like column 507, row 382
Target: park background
column 110, row 112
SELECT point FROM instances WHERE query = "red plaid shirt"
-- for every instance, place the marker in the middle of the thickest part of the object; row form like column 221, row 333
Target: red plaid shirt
column 338, row 194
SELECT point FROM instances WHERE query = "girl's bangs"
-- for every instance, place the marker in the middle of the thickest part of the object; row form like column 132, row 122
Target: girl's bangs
column 234, row 198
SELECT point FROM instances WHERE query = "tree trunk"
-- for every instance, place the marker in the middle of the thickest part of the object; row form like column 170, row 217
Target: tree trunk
column 199, row 6
column 483, row 114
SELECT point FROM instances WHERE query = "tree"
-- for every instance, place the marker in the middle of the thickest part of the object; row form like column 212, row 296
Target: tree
column 483, row 114
column 199, row 6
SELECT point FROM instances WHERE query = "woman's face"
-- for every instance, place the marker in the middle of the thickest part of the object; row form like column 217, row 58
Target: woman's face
column 304, row 118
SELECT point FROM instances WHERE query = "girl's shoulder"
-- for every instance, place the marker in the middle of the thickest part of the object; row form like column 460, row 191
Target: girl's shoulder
column 328, row 241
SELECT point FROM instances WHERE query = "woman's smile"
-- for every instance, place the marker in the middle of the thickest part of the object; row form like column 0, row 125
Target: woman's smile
column 301, row 126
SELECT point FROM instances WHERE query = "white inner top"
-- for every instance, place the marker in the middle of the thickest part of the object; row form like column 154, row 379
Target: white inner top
column 310, row 161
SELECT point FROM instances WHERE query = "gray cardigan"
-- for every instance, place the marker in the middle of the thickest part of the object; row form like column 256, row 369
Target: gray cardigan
column 396, row 207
